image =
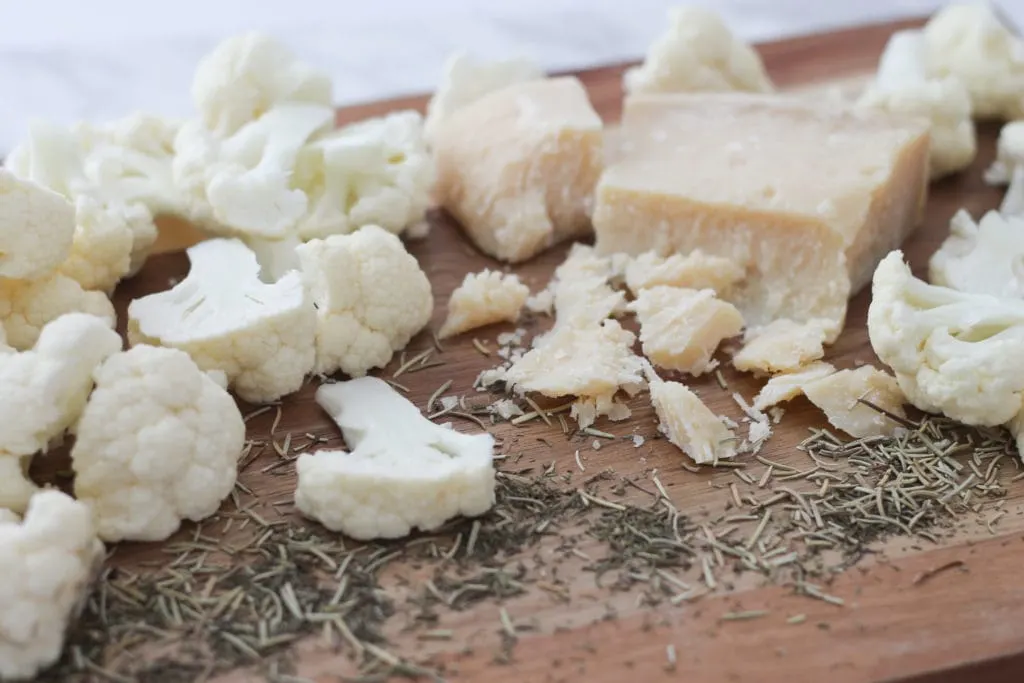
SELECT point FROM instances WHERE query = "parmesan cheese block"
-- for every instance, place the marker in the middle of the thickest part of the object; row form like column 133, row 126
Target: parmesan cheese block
column 517, row 167
column 680, row 329
column 806, row 197
column 692, row 271
column 482, row 299
column 781, row 346
column 838, row 394
column 789, row 385
column 689, row 424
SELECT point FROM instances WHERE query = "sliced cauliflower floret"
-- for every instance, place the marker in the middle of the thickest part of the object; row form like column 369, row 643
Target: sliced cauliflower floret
column 158, row 442
column 465, row 79
column 101, row 253
column 277, row 258
column 36, row 227
column 952, row 352
column 689, row 424
column 48, row 561
column 789, row 385
column 402, row 471
column 695, row 270
column 27, row 306
column 247, row 75
column 260, row 335
column 968, row 40
column 839, row 396
column 484, row 298
column 374, row 172
column 698, row 53
column 903, row 87
column 981, row 258
column 782, row 345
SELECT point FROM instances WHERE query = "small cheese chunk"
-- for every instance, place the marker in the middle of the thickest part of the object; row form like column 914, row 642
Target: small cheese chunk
column 680, row 329
column 838, row 395
column 517, row 167
column 696, row 270
column 689, row 424
column 789, row 385
column 781, row 346
column 482, row 299
column 806, row 197
column 580, row 289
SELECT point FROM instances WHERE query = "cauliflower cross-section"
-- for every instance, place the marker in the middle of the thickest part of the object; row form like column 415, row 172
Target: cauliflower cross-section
column 47, row 561
column 260, row 335
column 27, row 306
column 158, row 442
column 402, row 471
column 36, row 228
column 371, row 298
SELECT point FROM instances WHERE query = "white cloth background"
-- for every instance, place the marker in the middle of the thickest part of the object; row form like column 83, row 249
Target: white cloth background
column 66, row 60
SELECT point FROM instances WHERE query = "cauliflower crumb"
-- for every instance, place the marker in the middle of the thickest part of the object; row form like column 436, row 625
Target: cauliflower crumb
column 838, row 395
column 541, row 303
column 781, row 346
column 776, row 413
column 695, row 270
column 482, row 299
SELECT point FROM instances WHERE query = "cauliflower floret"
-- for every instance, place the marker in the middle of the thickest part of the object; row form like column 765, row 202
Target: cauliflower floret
column 903, row 87
column 101, row 253
column 689, row 424
column 1009, row 154
column 371, row 298
column 16, row 489
column 698, row 53
column 695, row 270
column 781, row 346
column 48, row 562
column 402, row 471
column 789, row 385
column 967, row 40
column 952, row 352
column 680, row 329
column 27, row 306
column 36, row 227
column 375, row 172
column 158, row 442
column 838, row 395
column 466, row 79
column 981, row 258
column 482, row 299
column 51, row 157
column 260, row 335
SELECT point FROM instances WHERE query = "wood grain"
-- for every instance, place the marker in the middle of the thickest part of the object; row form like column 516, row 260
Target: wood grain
column 889, row 629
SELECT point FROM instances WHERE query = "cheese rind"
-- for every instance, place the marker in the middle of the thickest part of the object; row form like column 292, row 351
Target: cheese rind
column 806, row 197
column 517, row 167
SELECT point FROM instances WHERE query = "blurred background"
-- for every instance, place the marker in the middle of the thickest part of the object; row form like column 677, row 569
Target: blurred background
column 67, row 60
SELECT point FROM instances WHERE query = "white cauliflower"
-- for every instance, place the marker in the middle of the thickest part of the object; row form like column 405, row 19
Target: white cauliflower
column 260, row 335
column 698, row 53
column 375, row 172
column 982, row 258
column 48, row 562
column 952, row 352
column 788, row 385
column 158, row 442
column 484, row 298
column 402, row 471
column 903, row 87
column 371, row 298
column 580, row 289
column 277, row 258
column 36, row 227
column 968, row 40
column 465, row 79
column 16, row 488
column 26, row 306
column 247, row 75
column 101, row 253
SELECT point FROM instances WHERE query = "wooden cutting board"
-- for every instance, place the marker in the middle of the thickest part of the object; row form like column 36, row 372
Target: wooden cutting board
column 891, row 627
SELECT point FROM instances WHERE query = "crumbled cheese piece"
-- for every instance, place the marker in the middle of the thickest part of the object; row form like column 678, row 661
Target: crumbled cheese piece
column 524, row 179
column 506, row 409
column 482, row 299
column 689, row 424
column 838, row 395
column 580, row 288
column 758, row 433
column 781, row 346
column 789, row 385
column 695, row 270
column 638, row 441
column 586, row 410
column 511, row 338
column 541, row 303
column 449, row 402
column 681, row 328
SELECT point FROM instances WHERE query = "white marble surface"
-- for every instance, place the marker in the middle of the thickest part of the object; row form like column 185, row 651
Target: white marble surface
column 65, row 60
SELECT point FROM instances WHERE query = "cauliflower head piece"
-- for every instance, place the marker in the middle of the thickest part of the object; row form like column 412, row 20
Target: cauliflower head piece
column 48, row 561
column 402, row 472
column 371, row 298
column 101, row 251
column 36, row 228
column 952, row 352
column 261, row 336
column 158, row 442
column 1009, row 154
column 27, row 306
column 982, row 258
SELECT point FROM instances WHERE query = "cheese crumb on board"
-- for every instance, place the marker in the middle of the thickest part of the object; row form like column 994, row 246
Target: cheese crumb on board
column 696, row 270
column 592, row 362
column 524, row 179
column 580, row 289
column 465, row 79
column 482, row 299
column 838, row 395
column 505, row 408
column 680, row 329
column 698, row 52
column 689, row 424
column 789, row 385
column 781, row 346
column 807, row 197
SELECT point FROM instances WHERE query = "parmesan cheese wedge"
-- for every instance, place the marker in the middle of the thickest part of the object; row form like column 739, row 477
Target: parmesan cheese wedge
column 689, row 424
column 838, row 394
column 806, row 197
